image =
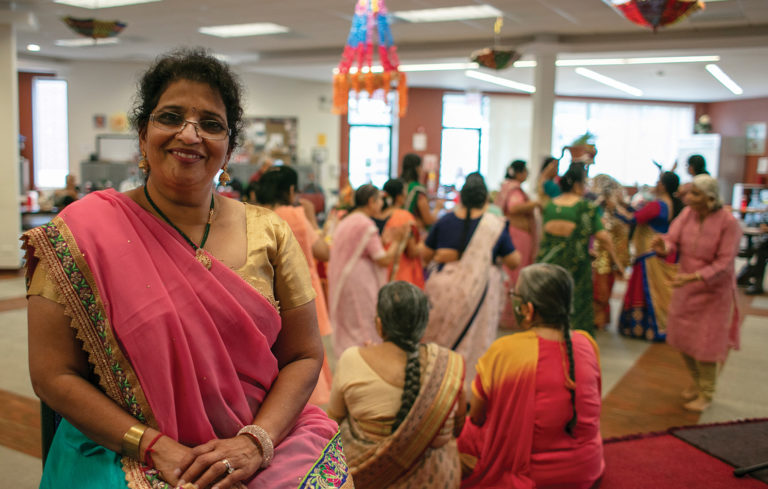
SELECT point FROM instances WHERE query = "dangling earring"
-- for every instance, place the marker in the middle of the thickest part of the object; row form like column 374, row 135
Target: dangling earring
column 224, row 176
column 143, row 165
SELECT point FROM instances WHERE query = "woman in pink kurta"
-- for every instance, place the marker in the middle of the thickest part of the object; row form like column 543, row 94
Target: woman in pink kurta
column 535, row 409
column 703, row 320
column 520, row 212
column 356, row 272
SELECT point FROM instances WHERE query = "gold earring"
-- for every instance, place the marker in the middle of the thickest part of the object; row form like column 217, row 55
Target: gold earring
column 224, row 176
column 143, row 164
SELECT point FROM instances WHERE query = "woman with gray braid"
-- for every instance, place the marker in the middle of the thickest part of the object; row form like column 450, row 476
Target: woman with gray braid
column 400, row 404
column 535, row 408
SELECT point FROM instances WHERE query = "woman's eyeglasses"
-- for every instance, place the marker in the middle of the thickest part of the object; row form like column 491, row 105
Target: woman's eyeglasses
column 173, row 122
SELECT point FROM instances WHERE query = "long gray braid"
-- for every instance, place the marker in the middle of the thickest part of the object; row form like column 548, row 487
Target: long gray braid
column 404, row 311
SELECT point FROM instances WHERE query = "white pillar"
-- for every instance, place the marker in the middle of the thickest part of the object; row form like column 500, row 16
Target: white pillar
column 543, row 110
column 10, row 217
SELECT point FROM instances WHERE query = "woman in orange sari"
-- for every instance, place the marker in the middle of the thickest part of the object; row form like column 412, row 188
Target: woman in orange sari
column 407, row 265
column 400, row 404
column 535, row 408
column 276, row 190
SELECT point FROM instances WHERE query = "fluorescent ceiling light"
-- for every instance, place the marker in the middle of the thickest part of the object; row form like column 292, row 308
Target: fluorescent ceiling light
column 243, row 30
column 500, row 81
column 624, row 61
column 418, row 67
column 94, row 4
column 448, row 14
column 33, row 47
column 726, row 80
column 85, row 41
column 609, row 81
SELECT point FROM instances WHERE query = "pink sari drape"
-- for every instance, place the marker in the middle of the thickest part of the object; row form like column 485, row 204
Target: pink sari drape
column 354, row 280
column 526, row 243
column 208, row 332
column 306, row 237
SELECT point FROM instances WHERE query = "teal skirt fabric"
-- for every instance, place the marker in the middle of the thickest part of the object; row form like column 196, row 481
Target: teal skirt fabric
column 76, row 461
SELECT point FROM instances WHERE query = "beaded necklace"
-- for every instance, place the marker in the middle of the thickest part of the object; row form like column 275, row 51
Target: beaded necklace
column 200, row 254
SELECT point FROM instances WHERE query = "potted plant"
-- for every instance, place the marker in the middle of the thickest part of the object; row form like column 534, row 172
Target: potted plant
column 582, row 148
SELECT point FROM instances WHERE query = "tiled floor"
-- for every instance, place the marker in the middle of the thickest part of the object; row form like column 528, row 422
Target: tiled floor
column 641, row 383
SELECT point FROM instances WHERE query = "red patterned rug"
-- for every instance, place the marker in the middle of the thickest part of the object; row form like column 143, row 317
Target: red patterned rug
column 664, row 460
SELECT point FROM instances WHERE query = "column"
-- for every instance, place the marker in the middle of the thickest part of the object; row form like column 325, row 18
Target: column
column 543, row 110
column 10, row 217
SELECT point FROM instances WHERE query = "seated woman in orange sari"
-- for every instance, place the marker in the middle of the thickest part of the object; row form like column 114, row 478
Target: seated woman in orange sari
column 400, row 404
column 535, row 408
column 276, row 190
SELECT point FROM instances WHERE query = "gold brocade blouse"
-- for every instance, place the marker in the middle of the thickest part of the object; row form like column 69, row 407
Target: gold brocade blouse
column 275, row 265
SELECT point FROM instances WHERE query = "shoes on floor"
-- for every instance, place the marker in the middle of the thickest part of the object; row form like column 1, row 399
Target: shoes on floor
column 698, row 405
column 690, row 393
column 754, row 289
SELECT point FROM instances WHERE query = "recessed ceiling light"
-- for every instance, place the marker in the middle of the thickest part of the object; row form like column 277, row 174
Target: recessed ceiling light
column 497, row 80
column 33, row 47
column 94, row 4
column 605, row 80
column 86, row 41
column 448, row 14
column 242, row 30
column 724, row 79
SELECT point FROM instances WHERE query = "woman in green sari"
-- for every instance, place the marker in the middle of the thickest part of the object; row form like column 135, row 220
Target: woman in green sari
column 416, row 201
column 569, row 223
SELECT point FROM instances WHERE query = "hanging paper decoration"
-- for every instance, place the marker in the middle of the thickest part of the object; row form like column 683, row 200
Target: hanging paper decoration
column 96, row 29
column 656, row 13
column 370, row 16
column 496, row 57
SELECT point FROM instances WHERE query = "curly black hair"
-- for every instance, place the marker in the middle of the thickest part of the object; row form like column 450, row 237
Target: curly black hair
column 197, row 65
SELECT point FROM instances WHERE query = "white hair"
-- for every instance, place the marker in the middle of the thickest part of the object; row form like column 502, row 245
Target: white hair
column 709, row 186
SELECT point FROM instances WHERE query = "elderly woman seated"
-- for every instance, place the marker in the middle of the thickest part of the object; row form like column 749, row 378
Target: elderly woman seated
column 535, row 409
column 400, row 403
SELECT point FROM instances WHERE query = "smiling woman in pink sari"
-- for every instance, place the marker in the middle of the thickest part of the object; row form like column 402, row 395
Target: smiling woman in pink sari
column 173, row 358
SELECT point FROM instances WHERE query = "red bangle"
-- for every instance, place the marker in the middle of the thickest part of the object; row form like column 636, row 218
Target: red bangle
column 148, row 452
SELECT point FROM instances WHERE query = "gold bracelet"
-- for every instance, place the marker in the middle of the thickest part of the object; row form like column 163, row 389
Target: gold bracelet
column 132, row 440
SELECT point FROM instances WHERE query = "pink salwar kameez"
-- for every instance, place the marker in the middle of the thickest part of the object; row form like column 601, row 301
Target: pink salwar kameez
column 703, row 320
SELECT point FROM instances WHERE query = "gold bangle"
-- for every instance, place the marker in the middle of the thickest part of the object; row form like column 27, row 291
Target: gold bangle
column 132, row 440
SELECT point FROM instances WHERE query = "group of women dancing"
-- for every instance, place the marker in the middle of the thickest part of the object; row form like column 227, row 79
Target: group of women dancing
column 178, row 333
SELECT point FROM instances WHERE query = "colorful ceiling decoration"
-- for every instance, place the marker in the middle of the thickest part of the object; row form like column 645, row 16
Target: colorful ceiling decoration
column 96, row 29
column 370, row 26
column 496, row 57
column 656, row 13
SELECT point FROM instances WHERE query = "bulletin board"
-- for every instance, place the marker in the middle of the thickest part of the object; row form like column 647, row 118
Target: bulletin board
column 262, row 137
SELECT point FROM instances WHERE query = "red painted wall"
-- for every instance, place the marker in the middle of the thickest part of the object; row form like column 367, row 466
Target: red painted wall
column 729, row 118
column 425, row 113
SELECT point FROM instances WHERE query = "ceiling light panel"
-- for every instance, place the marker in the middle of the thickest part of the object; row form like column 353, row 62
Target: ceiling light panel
column 503, row 82
column 96, row 4
column 448, row 14
column 85, row 41
column 724, row 79
column 605, row 80
column 243, row 30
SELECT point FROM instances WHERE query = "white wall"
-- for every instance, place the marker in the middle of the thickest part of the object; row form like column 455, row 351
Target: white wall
column 108, row 88
column 510, row 120
column 10, row 219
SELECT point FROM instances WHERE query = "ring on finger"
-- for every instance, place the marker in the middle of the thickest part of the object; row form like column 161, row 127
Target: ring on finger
column 228, row 465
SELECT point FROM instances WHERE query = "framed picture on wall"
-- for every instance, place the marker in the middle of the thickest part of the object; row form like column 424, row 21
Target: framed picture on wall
column 755, row 136
column 267, row 137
